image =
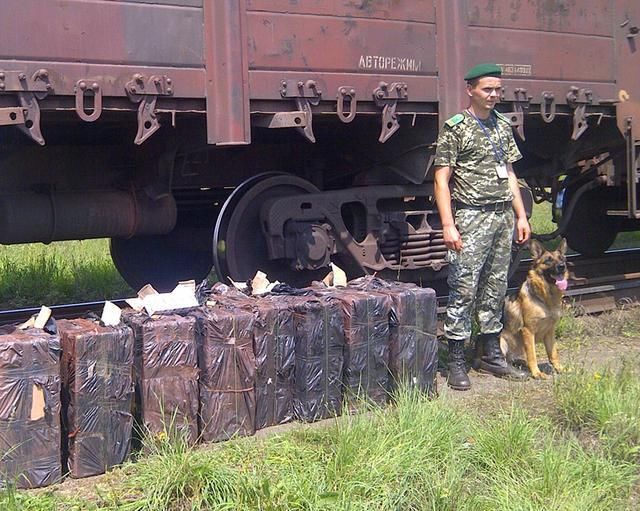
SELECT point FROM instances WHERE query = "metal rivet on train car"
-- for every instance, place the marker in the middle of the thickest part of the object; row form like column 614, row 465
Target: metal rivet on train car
column 169, row 81
column 169, row 90
column 2, row 76
column 2, row 86
column 82, row 85
column 95, row 87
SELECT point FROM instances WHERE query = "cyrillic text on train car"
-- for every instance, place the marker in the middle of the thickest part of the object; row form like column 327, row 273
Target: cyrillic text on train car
column 382, row 63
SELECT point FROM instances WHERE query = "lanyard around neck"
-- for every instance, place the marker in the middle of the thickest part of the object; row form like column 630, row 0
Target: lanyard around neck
column 498, row 155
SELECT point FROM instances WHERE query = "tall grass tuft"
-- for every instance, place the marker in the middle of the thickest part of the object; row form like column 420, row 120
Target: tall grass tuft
column 605, row 404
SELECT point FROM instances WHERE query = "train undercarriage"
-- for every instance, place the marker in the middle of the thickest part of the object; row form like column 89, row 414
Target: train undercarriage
column 176, row 208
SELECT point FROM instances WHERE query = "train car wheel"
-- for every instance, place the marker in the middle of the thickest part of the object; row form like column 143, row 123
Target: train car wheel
column 590, row 231
column 239, row 247
column 162, row 261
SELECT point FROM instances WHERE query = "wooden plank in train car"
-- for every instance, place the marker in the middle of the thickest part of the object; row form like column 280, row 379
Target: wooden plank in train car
column 335, row 50
column 627, row 41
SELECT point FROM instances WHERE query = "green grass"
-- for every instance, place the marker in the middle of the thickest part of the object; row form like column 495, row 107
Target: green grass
column 416, row 455
column 606, row 405
column 37, row 274
column 541, row 223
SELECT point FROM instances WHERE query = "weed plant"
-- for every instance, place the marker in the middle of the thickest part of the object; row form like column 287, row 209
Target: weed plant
column 604, row 404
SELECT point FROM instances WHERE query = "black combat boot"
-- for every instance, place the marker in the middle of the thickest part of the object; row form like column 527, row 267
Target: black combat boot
column 492, row 360
column 457, row 378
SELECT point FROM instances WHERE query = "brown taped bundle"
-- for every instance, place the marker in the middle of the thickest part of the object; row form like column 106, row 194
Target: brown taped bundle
column 414, row 348
column 97, row 367
column 166, row 374
column 273, row 345
column 366, row 355
column 227, row 372
column 319, row 354
column 29, row 407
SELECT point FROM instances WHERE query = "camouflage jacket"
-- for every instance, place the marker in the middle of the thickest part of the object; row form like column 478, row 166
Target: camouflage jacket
column 465, row 148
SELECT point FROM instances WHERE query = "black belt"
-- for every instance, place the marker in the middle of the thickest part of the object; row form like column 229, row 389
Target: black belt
column 494, row 207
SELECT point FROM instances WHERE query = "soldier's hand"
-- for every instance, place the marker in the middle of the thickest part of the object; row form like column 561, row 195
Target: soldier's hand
column 452, row 238
column 524, row 230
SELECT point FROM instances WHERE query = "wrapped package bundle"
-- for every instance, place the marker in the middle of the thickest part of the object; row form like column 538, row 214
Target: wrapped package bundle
column 97, row 383
column 366, row 356
column 166, row 374
column 227, row 372
column 273, row 345
column 414, row 347
column 319, row 355
column 29, row 408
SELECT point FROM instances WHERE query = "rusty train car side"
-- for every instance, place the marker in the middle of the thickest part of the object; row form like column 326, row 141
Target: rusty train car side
column 281, row 135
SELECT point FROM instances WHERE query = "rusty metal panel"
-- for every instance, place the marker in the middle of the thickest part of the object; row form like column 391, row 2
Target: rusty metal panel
column 627, row 41
column 334, row 44
column 544, row 55
column 542, row 46
column 586, row 17
column 112, row 32
column 451, row 54
column 401, row 10
column 227, row 73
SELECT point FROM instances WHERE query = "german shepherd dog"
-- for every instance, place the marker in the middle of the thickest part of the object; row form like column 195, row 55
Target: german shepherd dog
column 533, row 313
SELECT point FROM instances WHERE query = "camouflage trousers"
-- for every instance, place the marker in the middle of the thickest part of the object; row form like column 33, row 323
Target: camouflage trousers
column 478, row 273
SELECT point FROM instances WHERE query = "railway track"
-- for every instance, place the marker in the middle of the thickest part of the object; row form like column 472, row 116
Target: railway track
column 598, row 285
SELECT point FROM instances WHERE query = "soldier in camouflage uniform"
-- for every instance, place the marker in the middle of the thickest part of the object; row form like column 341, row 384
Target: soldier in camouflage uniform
column 476, row 148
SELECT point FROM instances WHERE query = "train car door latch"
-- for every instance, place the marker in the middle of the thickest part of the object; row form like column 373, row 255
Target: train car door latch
column 29, row 90
column 578, row 99
column 146, row 92
column 305, row 93
column 387, row 96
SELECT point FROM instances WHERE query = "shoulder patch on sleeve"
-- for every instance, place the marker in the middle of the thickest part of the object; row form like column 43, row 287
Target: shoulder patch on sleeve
column 456, row 119
column 502, row 117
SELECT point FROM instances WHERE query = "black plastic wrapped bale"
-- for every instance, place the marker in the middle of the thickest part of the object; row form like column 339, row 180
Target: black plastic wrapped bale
column 274, row 346
column 227, row 373
column 29, row 408
column 414, row 346
column 166, row 374
column 319, row 355
column 97, row 379
column 366, row 356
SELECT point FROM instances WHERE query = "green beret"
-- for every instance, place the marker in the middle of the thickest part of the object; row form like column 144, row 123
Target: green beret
column 483, row 70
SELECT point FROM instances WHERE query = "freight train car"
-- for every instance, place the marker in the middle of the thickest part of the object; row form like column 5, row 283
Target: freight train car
column 281, row 135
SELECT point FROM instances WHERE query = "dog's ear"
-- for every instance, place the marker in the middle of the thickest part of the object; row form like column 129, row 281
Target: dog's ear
column 536, row 248
column 562, row 248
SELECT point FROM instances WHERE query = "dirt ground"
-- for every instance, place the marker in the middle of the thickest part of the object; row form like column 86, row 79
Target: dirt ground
column 592, row 342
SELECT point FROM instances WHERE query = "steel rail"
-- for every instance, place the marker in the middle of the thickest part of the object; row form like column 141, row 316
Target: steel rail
column 602, row 288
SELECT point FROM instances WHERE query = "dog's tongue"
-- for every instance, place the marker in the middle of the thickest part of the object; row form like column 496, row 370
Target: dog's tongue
column 562, row 284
